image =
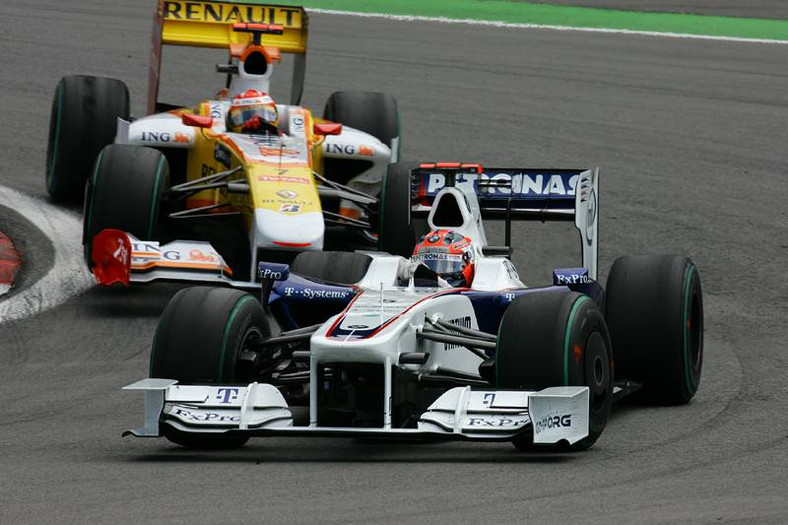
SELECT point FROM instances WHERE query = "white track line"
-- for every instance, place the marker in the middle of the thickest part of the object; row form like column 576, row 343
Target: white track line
column 493, row 23
column 68, row 277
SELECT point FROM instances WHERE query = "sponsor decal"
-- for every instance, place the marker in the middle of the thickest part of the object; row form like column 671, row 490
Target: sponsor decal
column 165, row 137
column 206, row 170
column 222, row 155
column 341, row 149
column 290, row 208
column 200, row 256
column 204, row 417
column 309, row 293
column 349, row 149
column 273, row 271
column 563, row 277
column 272, row 151
column 143, row 250
column 489, row 399
column 591, row 217
column 550, row 422
column 495, row 421
column 287, row 194
column 216, row 110
column 296, row 124
column 510, row 183
column 300, row 202
column 270, row 178
column 226, row 13
column 265, row 99
column 227, row 395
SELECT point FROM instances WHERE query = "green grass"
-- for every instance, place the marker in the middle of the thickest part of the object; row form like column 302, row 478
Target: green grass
column 581, row 17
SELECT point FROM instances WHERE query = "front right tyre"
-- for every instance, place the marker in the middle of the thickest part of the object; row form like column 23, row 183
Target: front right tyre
column 84, row 118
column 557, row 338
column 654, row 309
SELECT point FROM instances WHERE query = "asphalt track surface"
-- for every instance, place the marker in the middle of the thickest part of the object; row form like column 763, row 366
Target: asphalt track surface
column 690, row 136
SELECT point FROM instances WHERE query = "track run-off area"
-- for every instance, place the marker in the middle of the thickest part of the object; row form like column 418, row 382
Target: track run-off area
column 689, row 134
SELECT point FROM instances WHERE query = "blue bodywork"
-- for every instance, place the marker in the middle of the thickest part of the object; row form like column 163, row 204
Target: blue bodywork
column 299, row 302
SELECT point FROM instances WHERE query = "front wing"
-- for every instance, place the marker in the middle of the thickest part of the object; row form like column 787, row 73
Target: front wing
column 554, row 415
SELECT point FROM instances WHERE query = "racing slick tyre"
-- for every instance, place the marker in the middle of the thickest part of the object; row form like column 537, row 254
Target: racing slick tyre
column 125, row 192
column 345, row 268
column 84, row 119
column 557, row 339
column 199, row 339
column 396, row 234
column 654, row 310
column 370, row 112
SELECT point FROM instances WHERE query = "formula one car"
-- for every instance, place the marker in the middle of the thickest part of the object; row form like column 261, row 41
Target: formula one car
column 377, row 345
column 255, row 179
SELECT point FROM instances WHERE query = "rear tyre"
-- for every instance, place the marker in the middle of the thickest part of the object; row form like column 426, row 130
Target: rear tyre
column 396, row 235
column 84, row 119
column 344, row 268
column 370, row 112
column 557, row 339
column 199, row 339
column 125, row 192
column 654, row 309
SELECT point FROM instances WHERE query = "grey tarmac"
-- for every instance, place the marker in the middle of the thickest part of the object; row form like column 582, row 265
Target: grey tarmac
column 690, row 137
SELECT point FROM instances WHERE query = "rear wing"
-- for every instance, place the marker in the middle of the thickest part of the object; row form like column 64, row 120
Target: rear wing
column 519, row 194
column 209, row 23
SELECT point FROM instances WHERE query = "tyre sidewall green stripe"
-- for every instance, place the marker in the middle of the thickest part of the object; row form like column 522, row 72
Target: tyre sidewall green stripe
column 228, row 331
column 155, row 200
column 689, row 272
column 91, row 198
column 568, row 334
column 56, row 145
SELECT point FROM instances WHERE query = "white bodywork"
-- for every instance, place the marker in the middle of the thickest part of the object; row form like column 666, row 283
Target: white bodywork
column 378, row 326
column 271, row 229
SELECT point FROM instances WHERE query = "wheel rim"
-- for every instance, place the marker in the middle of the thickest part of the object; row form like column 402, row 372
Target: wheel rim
column 250, row 343
column 597, row 371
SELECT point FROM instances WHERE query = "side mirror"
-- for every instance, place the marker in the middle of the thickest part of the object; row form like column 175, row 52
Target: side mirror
column 197, row 121
column 332, row 128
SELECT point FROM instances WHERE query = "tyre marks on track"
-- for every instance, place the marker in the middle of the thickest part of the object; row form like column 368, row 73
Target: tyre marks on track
column 68, row 276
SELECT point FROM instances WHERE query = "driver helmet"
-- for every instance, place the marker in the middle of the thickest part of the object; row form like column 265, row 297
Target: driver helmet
column 252, row 111
column 449, row 254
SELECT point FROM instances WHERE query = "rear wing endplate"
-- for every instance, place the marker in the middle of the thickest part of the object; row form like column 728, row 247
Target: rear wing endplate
column 206, row 23
column 519, row 194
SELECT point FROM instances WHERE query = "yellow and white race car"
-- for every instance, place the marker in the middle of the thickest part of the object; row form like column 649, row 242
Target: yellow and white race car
column 250, row 189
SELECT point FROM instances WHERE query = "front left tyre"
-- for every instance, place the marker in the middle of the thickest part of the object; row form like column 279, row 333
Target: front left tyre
column 84, row 116
column 370, row 112
column 200, row 339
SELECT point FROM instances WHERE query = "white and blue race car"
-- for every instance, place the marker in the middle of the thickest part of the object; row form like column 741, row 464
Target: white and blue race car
column 375, row 345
